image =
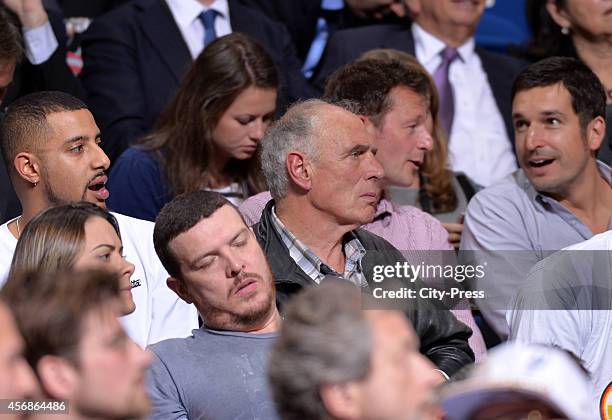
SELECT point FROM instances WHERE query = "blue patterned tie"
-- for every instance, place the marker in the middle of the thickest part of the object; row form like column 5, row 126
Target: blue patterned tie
column 208, row 20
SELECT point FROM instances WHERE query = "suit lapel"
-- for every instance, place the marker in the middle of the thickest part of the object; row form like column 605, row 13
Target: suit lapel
column 400, row 38
column 501, row 85
column 159, row 27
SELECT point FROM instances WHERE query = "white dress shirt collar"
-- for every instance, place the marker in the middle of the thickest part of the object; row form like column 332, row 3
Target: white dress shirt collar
column 186, row 11
column 185, row 14
column 428, row 47
column 479, row 145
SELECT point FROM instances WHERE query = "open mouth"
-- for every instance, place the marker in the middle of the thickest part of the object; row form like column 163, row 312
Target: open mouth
column 540, row 163
column 416, row 163
column 98, row 183
column 98, row 187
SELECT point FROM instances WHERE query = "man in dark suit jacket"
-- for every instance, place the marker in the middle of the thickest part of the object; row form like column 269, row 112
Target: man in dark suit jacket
column 135, row 58
column 455, row 31
column 300, row 16
column 52, row 74
column 89, row 8
column 348, row 45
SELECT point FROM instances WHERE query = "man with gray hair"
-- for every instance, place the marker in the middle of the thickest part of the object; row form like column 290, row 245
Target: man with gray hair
column 313, row 376
column 319, row 162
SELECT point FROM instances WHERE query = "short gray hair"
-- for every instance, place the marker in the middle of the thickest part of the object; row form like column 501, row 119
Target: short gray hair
column 296, row 130
column 325, row 339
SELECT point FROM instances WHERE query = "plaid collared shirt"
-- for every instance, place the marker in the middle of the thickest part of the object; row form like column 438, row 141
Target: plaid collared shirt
column 312, row 265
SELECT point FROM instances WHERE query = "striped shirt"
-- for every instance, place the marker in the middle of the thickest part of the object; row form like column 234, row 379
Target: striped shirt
column 313, row 266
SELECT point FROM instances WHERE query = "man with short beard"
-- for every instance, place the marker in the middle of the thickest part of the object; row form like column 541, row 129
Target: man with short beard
column 215, row 262
column 51, row 146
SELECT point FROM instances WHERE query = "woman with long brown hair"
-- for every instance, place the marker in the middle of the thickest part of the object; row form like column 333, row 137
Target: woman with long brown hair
column 80, row 236
column 208, row 136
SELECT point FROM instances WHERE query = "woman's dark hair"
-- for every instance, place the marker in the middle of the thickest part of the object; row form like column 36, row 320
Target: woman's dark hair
column 547, row 40
column 182, row 139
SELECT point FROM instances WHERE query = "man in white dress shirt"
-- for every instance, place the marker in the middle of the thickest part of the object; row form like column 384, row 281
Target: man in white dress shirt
column 474, row 84
column 136, row 56
column 50, row 142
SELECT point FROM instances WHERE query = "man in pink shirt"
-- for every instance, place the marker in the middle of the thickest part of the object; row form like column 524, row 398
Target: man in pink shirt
column 406, row 227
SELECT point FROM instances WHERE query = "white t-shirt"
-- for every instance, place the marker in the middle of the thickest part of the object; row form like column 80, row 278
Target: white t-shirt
column 159, row 314
column 587, row 333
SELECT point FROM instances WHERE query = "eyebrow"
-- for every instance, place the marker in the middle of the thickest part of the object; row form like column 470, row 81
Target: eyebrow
column 545, row 113
column 206, row 254
column 552, row 113
column 358, row 148
column 112, row 247
column 81, row 138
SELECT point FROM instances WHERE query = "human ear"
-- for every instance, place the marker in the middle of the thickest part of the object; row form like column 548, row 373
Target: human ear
column 179, row 288
column 596, row 131
column 341, row 400
column 299, row 170
column 28, row 167
column 558, row 14
column 58, row 377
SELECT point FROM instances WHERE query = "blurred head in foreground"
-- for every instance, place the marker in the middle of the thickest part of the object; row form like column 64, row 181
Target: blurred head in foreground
column 334, row 360
column 519, row 381
column 76, row 345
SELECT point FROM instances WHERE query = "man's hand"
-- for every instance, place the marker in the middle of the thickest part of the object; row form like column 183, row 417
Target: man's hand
column 376, row 8
column 31, row 13
column 454, row 233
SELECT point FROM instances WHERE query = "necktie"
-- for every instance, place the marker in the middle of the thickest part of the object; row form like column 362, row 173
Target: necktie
column 327, row 23
column 445, row 89
column 208, row 20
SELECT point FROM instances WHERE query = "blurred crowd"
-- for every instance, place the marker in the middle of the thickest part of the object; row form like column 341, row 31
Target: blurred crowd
column 199, row 198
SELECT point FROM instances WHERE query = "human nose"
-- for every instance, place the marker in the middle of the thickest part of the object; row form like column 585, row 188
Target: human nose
column 374, row 168
column 257, row 129
column 425, row 139
column 533, row 138
column 234, row 265
column 101, row 160
column 127, row 268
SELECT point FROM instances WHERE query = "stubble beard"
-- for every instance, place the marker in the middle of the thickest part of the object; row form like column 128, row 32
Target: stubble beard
column 53, row 198
column 247, row 320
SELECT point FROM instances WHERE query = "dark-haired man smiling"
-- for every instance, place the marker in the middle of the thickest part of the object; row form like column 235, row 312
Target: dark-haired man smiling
column 561, row 195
